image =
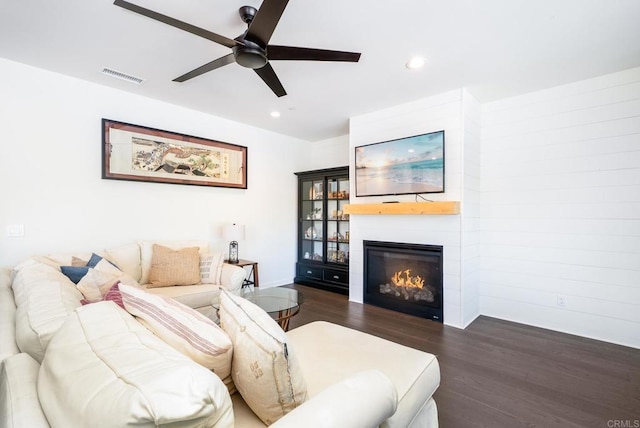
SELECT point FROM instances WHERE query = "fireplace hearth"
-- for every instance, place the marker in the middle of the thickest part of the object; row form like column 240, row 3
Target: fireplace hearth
column 404, row 277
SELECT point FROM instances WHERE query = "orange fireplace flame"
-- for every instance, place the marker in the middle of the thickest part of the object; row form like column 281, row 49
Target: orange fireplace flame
column 404, row 279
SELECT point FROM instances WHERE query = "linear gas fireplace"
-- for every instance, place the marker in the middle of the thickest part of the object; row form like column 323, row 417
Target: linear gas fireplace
column 404, row 277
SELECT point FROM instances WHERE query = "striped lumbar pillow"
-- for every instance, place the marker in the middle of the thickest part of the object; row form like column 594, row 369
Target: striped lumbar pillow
column 185, row 329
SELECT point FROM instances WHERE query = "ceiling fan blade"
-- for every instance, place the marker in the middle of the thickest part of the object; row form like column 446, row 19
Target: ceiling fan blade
column 224, row 41
column 269, row 77
column 216, row 63
column 265, row 21
column 308, row 54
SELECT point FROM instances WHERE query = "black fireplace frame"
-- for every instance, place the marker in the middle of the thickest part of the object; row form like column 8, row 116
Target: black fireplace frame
column 417, row 309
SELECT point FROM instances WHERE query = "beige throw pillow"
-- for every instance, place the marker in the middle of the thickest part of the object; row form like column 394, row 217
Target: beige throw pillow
column 77, row 261
column 174, row 267
column 264, row 368
column 146, row 253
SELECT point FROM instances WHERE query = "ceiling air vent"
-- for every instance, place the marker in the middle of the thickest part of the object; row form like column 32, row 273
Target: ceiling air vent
column 122, row 76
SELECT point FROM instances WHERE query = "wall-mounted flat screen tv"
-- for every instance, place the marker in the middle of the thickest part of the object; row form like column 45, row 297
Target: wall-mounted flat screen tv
column 403, row 166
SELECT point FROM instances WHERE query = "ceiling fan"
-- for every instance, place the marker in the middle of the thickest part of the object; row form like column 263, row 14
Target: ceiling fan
column 251, row 49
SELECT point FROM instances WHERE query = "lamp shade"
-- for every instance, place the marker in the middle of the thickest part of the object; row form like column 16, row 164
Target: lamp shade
column 233, row 232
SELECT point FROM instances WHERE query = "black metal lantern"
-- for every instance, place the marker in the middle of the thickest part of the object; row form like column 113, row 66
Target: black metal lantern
column 233, row 252
column 233, row 233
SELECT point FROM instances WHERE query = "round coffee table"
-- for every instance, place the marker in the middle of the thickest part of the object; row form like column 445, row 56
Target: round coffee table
column 280, row 302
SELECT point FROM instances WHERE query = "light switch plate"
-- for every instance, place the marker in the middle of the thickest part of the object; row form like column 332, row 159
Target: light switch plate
column 15, row 230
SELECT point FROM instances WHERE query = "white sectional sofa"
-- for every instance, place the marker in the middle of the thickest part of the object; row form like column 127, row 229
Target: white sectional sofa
column 65, row 364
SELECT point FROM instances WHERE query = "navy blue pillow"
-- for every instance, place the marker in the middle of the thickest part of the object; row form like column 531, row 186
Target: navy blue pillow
column 95, row 259
column 75, row 273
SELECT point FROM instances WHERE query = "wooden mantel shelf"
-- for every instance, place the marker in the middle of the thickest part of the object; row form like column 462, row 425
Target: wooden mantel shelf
column 414, row 208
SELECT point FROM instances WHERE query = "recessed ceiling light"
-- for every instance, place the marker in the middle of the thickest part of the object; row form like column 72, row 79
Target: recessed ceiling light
column 416, row 62
column 275, row 114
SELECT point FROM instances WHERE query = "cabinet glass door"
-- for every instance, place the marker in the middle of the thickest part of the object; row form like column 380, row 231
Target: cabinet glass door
column 312, row 216
column 337, row 220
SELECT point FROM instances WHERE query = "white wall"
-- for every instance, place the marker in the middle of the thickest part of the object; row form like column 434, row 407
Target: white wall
column 561, row 208
column 51, row 167
column 444, row 111
column 329, row 153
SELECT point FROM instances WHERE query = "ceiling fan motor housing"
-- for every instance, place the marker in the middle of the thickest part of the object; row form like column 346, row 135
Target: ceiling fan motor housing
column 251, row 55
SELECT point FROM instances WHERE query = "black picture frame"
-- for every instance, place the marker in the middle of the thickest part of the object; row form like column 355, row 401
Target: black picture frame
column 139, row 153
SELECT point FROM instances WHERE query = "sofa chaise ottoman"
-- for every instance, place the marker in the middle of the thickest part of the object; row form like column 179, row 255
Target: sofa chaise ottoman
column 330, row 354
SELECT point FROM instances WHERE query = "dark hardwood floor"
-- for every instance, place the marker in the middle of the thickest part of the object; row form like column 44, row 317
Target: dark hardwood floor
column 502, row 374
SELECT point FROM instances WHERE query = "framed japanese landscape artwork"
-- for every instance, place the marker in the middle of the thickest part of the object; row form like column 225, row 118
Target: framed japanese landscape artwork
column 137, row 153
column 410, row 165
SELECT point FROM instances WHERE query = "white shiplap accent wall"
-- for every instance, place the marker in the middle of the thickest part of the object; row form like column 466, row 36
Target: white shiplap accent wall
column 561, row 208
column 449, row 111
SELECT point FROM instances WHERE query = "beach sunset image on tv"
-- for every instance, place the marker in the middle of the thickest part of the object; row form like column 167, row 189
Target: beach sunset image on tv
column 403, row 166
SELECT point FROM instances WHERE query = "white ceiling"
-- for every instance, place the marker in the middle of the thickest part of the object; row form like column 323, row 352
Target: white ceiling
column 494, row 48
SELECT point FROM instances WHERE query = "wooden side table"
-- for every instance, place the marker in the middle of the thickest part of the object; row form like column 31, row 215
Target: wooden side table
column 252, row 275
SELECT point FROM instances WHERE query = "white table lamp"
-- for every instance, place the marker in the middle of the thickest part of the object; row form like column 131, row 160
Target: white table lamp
column 234, row 233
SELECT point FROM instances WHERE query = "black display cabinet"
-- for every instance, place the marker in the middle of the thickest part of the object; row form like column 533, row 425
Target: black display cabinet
column 323, row 229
